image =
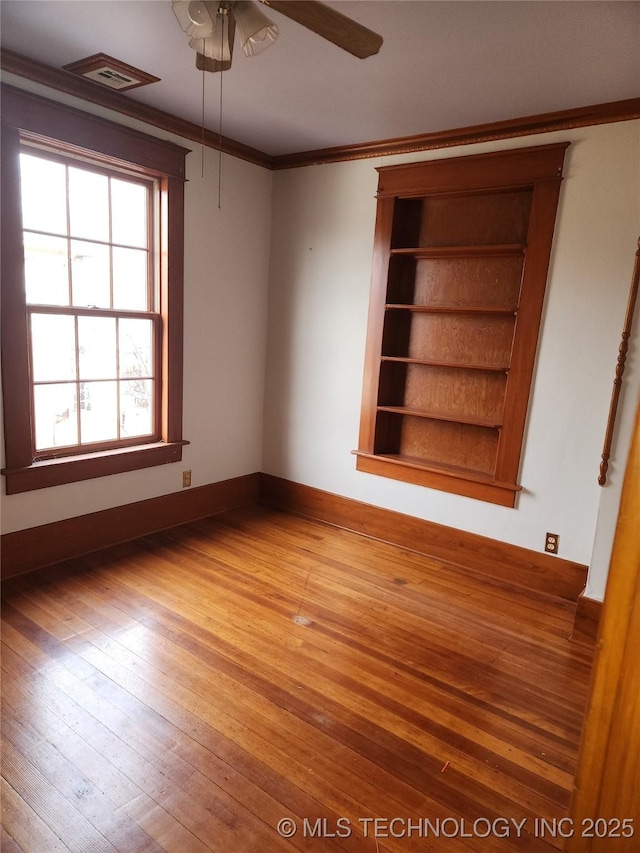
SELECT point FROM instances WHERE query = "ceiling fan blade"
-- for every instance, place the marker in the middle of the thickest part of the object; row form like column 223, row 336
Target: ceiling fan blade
column 331, row 25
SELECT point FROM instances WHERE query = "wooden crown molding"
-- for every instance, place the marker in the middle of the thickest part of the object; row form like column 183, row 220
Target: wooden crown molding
column 525, row 126
column 64, row 81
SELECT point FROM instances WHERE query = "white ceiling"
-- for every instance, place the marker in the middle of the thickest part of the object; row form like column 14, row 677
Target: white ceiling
column 443, row 65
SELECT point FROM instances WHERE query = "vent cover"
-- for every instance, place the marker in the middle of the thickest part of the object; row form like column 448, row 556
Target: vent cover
column 110, row 72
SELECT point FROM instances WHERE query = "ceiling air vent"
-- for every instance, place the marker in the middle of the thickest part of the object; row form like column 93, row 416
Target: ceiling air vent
column 110, row 72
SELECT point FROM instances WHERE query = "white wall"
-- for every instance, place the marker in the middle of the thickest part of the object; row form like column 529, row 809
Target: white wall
column 319, row 289
column 226, row 262
column 321, row 244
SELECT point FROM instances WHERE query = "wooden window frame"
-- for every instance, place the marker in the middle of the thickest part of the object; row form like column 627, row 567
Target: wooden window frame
column 537, row 168
column 27, row 117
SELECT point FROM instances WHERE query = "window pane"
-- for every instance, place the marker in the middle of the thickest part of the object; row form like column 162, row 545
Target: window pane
column 130, row 279
column 98, row 411
column 53, row 342
column 97, row 347
column 88, row 204
column 55, row 416
column 128, row 213
column 46, row 269
column 90, row 274
column 135, row 348
column 44, row 196
column 136, row 408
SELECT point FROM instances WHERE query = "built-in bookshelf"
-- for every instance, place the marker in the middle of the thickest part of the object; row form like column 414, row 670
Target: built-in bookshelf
column 461, row 255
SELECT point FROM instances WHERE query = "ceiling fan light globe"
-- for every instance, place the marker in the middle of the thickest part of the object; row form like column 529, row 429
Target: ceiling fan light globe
column 216, row 46
column 211, row 48
column 190, row 13
column 258, row 42
column 198, row 13
column 257, row 32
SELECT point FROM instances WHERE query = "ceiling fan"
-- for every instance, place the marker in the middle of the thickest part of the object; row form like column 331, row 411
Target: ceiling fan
column 211, row 25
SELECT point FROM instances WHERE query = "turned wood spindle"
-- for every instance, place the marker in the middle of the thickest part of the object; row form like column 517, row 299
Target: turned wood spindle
column 620, row 365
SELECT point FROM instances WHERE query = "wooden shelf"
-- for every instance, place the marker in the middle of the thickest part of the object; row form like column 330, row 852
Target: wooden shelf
column 498, row 368
column 460, row 251
column 440, row 416
column 448, row 309
column 439, row 468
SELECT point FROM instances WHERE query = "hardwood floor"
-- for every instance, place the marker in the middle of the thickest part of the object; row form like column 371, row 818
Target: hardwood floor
column 188, row 691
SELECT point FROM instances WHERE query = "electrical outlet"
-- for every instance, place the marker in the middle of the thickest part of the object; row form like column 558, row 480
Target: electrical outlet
column 551, row 543
column 186, row 479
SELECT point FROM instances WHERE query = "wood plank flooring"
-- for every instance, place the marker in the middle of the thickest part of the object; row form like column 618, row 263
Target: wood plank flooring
column 188, row 691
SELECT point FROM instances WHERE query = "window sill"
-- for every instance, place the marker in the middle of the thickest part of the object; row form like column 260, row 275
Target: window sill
column 72, row 469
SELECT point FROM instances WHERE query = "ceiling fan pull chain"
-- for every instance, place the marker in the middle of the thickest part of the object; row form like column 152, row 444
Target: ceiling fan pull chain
column 202, row 139
column 225, row 20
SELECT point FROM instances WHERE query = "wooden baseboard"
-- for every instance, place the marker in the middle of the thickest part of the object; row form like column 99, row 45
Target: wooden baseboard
column 586, row 620
column 26, row 550
column 497, row 560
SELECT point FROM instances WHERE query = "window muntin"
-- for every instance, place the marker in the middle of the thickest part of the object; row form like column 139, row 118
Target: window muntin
column 94, row 324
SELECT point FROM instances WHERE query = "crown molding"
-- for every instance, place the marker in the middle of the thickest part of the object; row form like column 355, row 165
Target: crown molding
column 526, row 126
column 69, row 83
column 64, row 81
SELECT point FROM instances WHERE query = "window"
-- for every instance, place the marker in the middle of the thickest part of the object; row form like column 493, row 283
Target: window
column 461, row 253
column 92, row 322
column 91, row 295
